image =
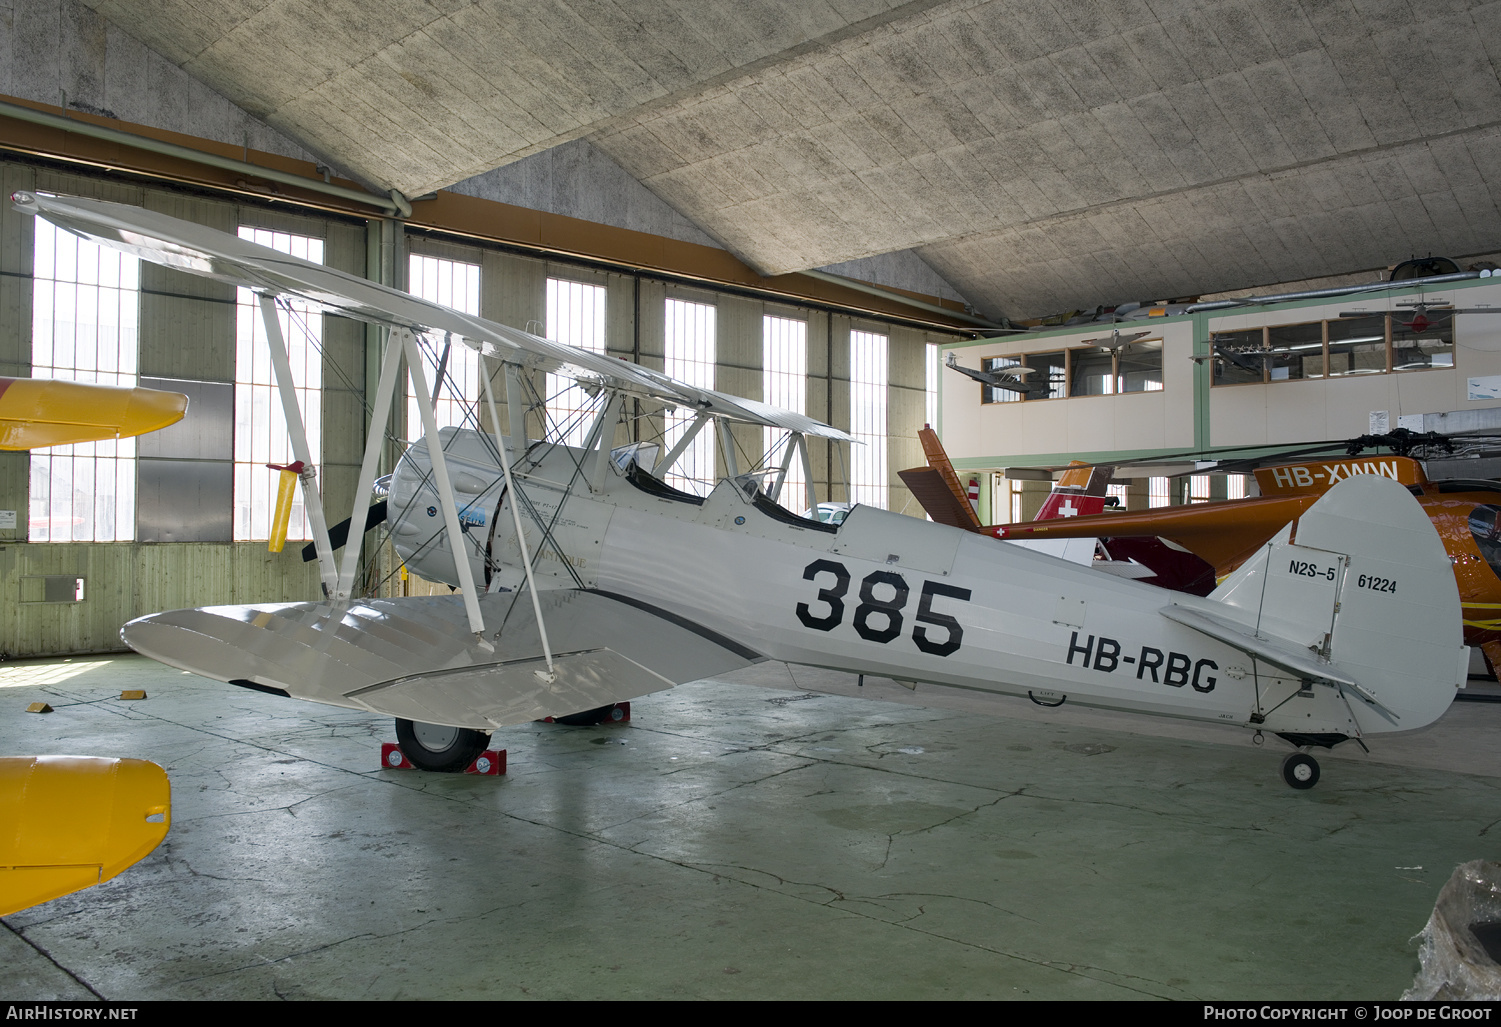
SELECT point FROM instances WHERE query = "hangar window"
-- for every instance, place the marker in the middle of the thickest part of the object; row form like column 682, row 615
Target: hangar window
column 1159, row 492
column 932, row 382
column 784, row 383
column 260, row 425
column 690, row 353
column 868, row 377
column 455, row 284
column 84, row 321
column 576, row 316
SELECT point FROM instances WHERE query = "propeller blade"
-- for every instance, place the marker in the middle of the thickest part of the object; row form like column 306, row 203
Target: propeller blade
column 338, row 535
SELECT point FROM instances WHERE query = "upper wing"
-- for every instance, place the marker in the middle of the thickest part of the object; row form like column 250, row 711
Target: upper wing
column 415, row 658
column 213, row 254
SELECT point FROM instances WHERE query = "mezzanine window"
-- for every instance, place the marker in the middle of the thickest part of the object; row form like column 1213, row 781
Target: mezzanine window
column 1082, row 371
column 1335, row 348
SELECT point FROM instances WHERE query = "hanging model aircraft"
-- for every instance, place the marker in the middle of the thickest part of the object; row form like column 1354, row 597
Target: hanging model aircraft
column 587, row 579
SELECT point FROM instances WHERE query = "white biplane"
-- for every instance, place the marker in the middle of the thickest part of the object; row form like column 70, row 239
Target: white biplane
column 587, row 580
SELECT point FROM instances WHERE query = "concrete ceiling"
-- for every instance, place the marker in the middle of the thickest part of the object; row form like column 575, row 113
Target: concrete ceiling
column 1039, row 155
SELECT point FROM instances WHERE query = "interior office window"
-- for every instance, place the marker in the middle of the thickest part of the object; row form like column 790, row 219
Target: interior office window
column 455, row 284
column 1198, row 488
column 690, row 353
column 1336, row 348
column 260, row 425
column 1121, row 494
column 991, row 394
column 1050, row 369
column 868, row 378
column 1238, row 357
column 84, row 325
column 1357, row 345
column 1295, row 351
column 1139, row 366
column 784, row 383
column 1235, row 486
column 1432, row 346
column 576, row 316
column 1093, row 372
column 1103, row 371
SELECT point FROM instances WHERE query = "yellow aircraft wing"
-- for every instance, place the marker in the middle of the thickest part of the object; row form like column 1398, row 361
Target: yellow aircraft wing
column 68, row 822
column 37, row 412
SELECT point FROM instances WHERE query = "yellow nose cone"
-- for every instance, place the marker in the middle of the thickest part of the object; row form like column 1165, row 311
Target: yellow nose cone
column 68, row 822
column 38, row 412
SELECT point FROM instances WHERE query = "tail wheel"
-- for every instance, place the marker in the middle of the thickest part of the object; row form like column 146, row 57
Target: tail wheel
column 435, row 747
column 1300, row 770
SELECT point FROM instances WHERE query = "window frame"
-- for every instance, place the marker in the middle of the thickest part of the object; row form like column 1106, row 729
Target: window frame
column 1389, row 331
column 246, row 498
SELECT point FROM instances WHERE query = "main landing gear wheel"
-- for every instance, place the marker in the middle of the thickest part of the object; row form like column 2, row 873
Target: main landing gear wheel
column 1300, row 770
column 445, row 750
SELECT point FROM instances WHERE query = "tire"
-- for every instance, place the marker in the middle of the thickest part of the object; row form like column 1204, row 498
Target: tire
column 444, row 750
column 1300, row 771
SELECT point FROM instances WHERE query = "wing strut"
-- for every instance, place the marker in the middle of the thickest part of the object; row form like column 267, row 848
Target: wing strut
column 727, row 440
column 384, row 392
column 445, row 485
column 802, row 445
column 776, row 487
column 671, row 456
column 297, row 435
column 505, row 469
column 603, row 436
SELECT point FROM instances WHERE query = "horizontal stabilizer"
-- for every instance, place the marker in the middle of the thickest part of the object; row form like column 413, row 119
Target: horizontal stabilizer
column 416, row 658
column 1299, row 664
column 1358, row 594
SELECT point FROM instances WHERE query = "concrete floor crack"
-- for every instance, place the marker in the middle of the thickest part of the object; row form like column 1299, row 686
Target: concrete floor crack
column 51, row 959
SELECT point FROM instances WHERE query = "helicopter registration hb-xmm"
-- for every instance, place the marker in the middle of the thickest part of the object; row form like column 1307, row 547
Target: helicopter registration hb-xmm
column 586, row 579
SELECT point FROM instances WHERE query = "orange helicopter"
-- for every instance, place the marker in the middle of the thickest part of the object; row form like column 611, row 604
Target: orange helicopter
column 1466, row 513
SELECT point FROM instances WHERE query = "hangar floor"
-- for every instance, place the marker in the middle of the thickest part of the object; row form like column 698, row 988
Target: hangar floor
column 754, row 837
